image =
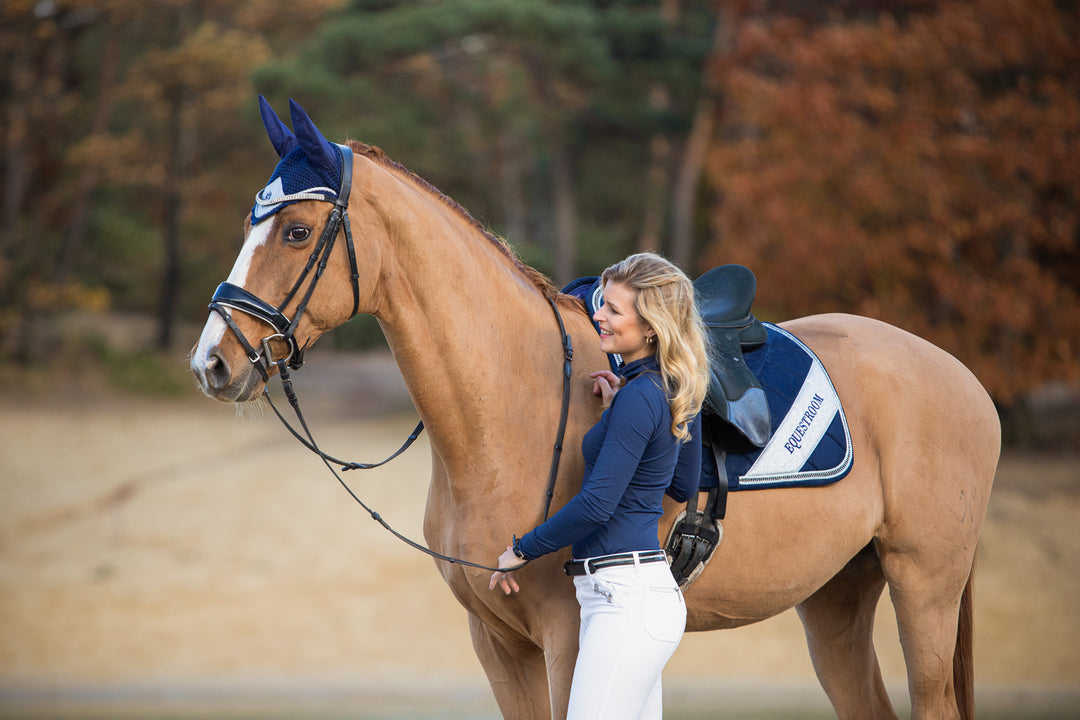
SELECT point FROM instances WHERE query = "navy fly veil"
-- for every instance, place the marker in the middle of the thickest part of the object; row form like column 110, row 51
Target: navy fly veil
column 310, row 167
column 306, row 157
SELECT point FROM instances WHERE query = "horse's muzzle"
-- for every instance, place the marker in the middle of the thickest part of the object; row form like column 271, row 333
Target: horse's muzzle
column 218, row 379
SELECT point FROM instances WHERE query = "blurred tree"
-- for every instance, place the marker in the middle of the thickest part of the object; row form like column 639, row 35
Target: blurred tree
column 921, row 168
column 38, row 42
column 120, row 122
column 534, row 115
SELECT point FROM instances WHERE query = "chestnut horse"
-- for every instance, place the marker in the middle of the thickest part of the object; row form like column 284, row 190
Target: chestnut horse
column 473, row 333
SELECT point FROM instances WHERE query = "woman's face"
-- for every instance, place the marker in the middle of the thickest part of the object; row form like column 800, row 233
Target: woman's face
column 622, row 330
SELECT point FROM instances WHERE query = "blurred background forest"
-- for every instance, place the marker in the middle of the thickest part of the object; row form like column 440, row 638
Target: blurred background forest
column 917, row 161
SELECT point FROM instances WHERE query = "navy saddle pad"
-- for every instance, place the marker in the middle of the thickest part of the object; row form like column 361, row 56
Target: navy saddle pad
column 810, row 442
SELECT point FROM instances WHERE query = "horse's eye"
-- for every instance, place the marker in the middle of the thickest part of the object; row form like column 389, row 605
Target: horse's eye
column 297, row 234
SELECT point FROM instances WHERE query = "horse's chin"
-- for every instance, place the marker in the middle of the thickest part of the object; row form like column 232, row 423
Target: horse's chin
column 254, row 408
column 243, row 391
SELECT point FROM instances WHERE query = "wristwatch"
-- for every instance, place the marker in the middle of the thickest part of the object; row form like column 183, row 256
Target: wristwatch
column 517, row 548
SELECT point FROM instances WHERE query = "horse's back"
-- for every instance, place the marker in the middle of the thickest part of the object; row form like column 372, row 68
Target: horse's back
column 897, row 385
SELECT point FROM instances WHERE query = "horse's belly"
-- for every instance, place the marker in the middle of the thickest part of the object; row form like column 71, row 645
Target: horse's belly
column 778, row 548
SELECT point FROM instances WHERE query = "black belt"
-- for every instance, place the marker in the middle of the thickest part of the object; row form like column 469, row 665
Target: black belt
column 577, row 567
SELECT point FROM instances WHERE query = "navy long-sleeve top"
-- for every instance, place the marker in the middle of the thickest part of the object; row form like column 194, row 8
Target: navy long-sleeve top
column 631, row 460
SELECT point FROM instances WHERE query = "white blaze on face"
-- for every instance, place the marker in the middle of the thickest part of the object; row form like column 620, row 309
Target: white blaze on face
column 215, row 327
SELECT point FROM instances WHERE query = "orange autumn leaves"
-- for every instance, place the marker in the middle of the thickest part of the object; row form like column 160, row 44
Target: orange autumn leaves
column 924, row 172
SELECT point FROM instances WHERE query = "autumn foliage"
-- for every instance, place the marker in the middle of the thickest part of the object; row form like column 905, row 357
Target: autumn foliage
column 924, row 170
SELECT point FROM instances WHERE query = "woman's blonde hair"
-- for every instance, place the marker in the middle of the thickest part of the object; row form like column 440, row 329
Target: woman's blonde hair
column 665, row 301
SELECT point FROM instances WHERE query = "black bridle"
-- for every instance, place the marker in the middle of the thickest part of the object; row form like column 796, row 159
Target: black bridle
column 233, row 297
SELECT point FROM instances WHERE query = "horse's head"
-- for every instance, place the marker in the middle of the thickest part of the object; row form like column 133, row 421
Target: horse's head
column 293, row 280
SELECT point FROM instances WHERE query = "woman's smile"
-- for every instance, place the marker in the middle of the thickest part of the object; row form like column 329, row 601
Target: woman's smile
column 622, row 331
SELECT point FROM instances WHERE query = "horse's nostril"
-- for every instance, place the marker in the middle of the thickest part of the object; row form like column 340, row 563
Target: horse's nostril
column 217, row 371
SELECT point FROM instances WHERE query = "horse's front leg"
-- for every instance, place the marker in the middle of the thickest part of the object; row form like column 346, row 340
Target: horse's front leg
column 517, row 672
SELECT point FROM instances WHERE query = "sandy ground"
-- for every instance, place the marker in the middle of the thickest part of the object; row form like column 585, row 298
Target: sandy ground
column 170, row 553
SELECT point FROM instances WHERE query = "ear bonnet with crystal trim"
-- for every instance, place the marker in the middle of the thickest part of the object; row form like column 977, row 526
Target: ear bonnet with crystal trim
column 310, row 167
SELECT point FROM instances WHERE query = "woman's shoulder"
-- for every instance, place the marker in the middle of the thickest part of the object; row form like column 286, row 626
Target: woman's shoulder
column 643, row 390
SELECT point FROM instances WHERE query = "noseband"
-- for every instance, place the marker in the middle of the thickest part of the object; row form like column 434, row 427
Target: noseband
column 233, row 297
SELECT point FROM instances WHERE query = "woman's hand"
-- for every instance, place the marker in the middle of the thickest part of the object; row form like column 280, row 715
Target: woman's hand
column 605, row 384
column 506, row 579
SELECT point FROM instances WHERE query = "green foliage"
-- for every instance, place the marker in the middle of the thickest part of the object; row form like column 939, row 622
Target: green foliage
column 122, row 240
column 134, row 146
column 124, row 137
column 478, row 97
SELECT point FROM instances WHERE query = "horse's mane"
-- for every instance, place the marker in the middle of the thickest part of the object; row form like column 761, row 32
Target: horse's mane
column 541, row 281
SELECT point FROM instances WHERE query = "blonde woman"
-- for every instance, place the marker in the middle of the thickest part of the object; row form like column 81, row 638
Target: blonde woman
column 645, row 444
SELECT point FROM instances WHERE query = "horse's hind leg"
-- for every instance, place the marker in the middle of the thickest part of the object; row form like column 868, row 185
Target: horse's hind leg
column 839, row 624
column 927, row 598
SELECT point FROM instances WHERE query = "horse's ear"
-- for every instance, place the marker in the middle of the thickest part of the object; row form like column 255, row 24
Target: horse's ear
column 280, row 135
column 318, row 149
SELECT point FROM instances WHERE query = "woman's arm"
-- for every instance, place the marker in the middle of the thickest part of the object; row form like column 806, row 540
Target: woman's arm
column 631, row 422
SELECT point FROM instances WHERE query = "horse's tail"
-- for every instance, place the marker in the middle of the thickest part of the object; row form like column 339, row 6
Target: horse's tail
column 963, row 664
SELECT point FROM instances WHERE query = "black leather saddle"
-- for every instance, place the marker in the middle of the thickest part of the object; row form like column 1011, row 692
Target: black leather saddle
column 724, row 297
column 736, row 414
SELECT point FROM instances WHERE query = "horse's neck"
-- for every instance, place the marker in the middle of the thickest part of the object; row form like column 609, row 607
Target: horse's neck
column 474, row 340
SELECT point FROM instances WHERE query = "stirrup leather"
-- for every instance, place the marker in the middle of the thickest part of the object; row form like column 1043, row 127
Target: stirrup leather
column 694, row 536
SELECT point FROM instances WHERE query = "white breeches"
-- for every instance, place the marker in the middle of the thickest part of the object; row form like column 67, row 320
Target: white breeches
column 632, row 619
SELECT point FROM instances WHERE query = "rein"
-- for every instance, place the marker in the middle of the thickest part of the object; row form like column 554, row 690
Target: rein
column 233, row 297
column 330, row 461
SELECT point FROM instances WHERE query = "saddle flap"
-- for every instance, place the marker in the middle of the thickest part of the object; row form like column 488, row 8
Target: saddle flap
column 724, row 296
